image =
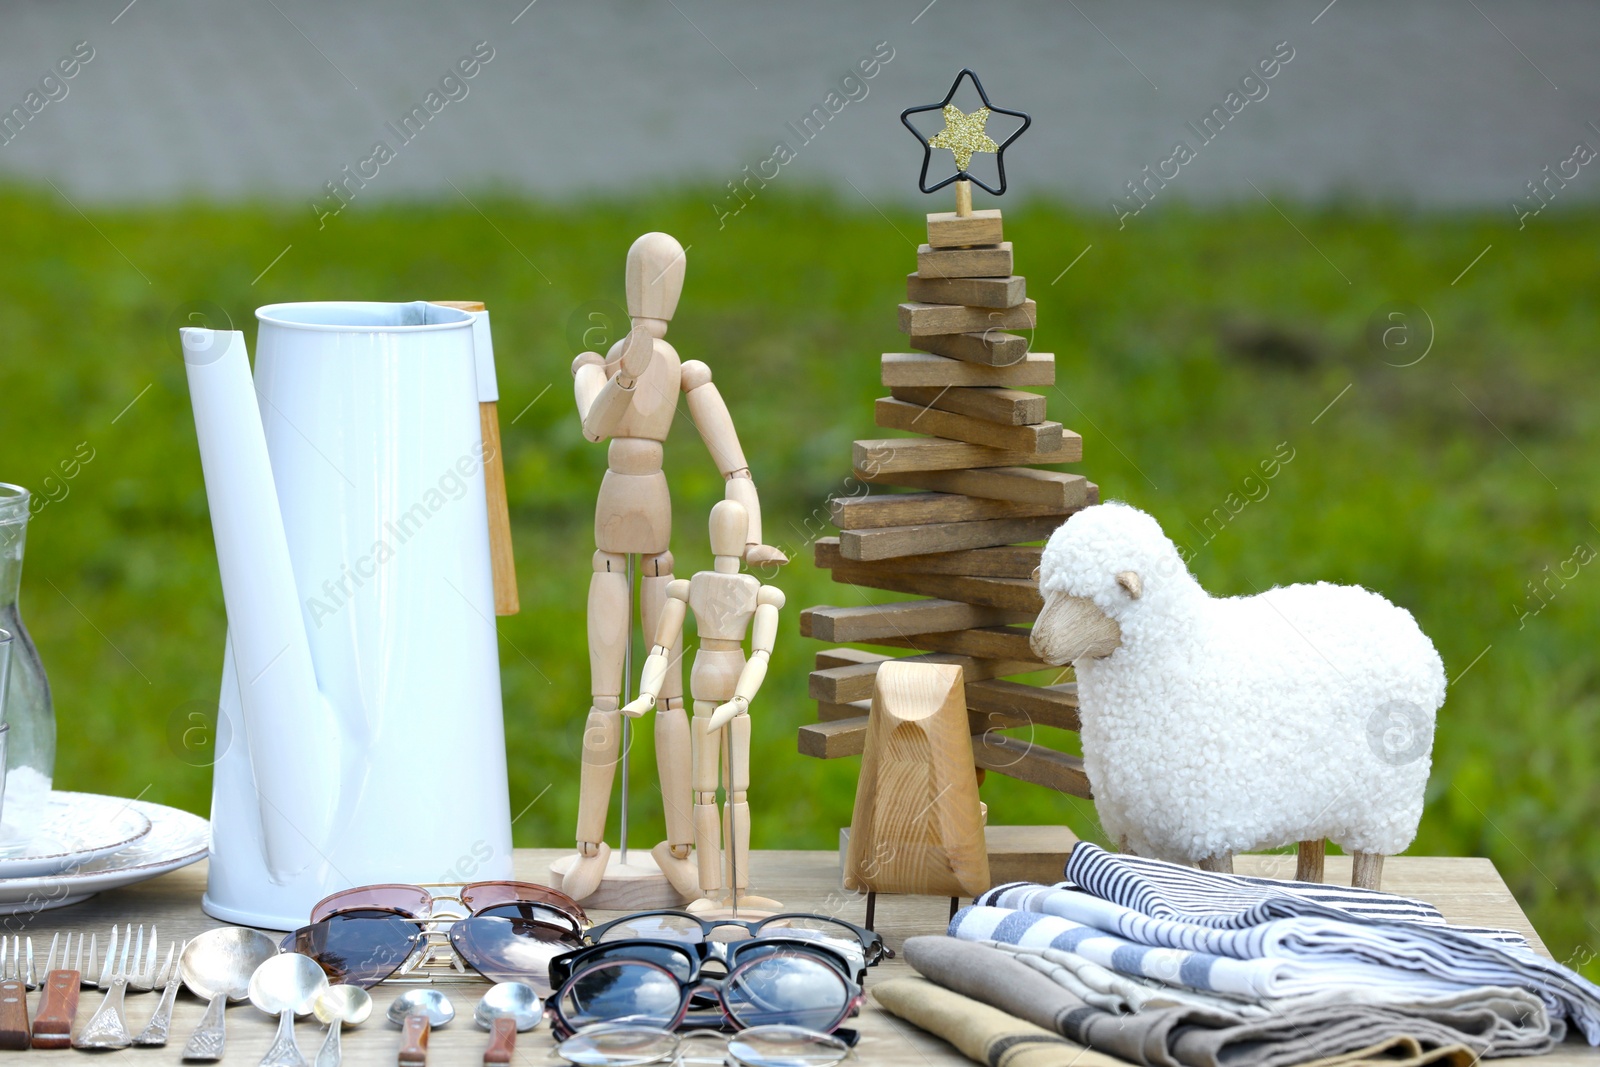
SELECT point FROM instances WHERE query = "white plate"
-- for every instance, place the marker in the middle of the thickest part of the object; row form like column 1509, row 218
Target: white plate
column 176, row 839
column 76, row 829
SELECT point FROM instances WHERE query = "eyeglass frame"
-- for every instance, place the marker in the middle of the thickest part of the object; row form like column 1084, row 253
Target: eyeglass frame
column 559, row 901
column 429, row 940
column 873, row 947
column 846, row 1038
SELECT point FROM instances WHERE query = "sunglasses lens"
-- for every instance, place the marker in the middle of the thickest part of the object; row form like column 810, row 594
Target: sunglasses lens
column 675, row 961
column 664, row 926
column 618, row 1046
column 510, row 950
column 408, row 900
column 638, row 994
column 538, row 912
column 785, row 1046
column 787, row 988
column 480, row 896
column 361, row 952
column 835, row 935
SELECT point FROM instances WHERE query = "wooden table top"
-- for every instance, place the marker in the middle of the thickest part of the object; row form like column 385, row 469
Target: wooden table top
column 1466, row 890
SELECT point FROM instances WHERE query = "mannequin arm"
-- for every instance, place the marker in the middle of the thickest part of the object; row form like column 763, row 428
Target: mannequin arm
column 764, row 634
column 712, row 418
column 668, row 629
column 602, row 401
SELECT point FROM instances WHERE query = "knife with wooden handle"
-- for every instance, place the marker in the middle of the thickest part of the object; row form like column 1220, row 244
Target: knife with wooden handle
column 58, row 1006
column 13, row 1015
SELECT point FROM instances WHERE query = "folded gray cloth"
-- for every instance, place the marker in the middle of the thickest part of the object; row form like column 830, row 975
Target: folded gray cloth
column 1198, row 1036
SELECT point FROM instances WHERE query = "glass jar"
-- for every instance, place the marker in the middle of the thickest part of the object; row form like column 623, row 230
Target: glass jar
column 31, row 742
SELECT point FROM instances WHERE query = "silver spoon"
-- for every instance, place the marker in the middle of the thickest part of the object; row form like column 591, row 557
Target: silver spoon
column 339, row 1006
column 286, row 985
column 216, row 967
column 417, row 1011
column 506, row 1010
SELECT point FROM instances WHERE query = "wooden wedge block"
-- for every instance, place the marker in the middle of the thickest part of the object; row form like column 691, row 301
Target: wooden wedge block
column 828, row 711
column 851, row 682
column 988, row 642
column 1009, row 407
column 964, row 262
column 1012, row 594
column 1029, row 761
column 1010, row 561
column 1042, row 705
column 830, row 658
column 924, row 369
column 1005, row 292
column 1022, row 484
column 903, row 620
column 917, row 824
column 895, row 414
column 914, row 509
column 893, row 455
column 888, row 542
column 946, row 229
column 993, row 348
column 920, row 320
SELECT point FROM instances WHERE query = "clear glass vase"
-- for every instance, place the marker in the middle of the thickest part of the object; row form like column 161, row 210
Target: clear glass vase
column 31, row 740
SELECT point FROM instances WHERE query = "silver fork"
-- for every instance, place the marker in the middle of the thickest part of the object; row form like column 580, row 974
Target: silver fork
column 108, row 1028
column 16, row 965
column 143, row 978
column 155, row 1033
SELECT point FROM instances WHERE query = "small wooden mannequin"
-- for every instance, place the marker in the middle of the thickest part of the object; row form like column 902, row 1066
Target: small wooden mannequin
column 630, row 395
column 723, row 683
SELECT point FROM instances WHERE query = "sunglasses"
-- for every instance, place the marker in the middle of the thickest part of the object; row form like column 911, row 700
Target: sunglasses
column 685, row 960
column 365, row 949
column 785, row 987
column 862, row 947
column 509, row 899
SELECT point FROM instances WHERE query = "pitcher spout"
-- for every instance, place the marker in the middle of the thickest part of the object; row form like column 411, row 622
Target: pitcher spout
column 290, row 728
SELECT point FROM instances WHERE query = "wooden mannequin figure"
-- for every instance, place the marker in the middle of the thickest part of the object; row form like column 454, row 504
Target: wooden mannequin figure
column 725, row 602
column 630, row 396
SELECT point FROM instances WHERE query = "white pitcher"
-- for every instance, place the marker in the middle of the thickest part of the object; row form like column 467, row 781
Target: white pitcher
column 360, row 737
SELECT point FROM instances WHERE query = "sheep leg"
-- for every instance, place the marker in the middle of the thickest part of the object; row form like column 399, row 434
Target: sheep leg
column 1366, row 870
column 1222, row 864
column 1308, row 866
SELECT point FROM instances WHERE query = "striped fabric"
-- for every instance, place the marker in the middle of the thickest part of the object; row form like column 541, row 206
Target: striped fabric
column 1319, row 929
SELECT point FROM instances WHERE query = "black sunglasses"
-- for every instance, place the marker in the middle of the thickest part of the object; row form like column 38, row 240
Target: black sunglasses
column 684, row 960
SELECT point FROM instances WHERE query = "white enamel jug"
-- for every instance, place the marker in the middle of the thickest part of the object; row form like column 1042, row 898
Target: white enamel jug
column 360, row 737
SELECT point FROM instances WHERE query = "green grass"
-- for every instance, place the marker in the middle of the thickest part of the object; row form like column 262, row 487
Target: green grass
column 1190, row 346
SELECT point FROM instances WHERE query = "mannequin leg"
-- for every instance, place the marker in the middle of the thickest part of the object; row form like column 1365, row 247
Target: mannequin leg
column 602, row 735
column 673, row 757
column 736, row 813
column 707, row 832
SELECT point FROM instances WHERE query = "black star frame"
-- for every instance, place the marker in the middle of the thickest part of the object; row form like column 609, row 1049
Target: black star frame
column 1000, row 153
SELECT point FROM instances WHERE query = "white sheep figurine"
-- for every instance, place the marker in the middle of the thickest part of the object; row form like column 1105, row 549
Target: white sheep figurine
column 1213, row 726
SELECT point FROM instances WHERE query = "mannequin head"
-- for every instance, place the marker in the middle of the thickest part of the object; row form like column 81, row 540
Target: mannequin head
column 730, row 524
column 656, row 264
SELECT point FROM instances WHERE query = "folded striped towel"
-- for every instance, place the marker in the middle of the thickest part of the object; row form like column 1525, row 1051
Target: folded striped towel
column 1162, row 905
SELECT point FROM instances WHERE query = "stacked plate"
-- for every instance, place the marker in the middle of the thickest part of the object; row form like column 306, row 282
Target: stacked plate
column 88, row 843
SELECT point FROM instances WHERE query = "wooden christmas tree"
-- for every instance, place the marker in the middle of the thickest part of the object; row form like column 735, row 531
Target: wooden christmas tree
column 963, row 540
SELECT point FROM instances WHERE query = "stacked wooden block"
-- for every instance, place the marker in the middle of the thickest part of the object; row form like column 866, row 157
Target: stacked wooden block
column 958, row 540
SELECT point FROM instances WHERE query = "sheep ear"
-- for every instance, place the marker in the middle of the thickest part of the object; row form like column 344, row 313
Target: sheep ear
column 1036, row 576
column 1131, row 583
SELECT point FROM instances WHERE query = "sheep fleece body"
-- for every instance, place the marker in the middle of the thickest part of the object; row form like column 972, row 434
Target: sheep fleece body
column 1227, row 725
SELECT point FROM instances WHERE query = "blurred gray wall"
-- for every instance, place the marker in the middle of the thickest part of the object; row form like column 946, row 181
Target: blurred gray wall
column 1434, row 103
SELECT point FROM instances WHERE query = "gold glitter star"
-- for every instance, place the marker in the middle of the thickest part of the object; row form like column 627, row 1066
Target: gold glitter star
column 963, row 134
